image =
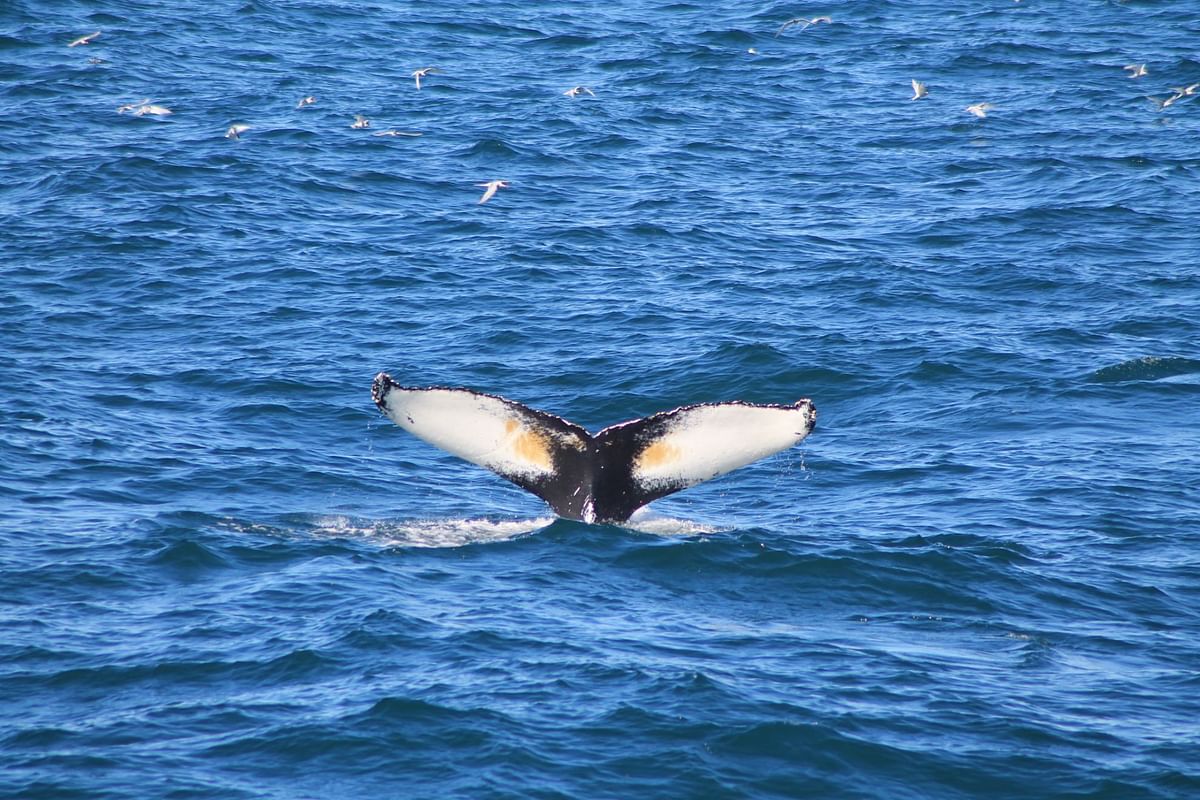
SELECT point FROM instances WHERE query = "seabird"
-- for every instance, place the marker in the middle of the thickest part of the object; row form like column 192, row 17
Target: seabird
column 84, row 39
column 360, row 122
column 575, row 90
column 801, row 20
column 306, row 101
column 131, row 106
column 422, row 72
column 1165, row 102
column 980, row 109
column 1138, row 70
column 152, row 110
column 235, row 131
column 492, row 186
column 919, row 90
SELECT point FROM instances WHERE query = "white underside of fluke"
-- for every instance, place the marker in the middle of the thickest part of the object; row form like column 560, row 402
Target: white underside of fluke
column 710, row 440
column 482, row 429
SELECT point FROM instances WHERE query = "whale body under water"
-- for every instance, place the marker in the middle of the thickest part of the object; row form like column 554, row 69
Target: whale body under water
column 601, row 477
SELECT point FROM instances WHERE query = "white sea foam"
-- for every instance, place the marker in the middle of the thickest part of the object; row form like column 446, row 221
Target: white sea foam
column 645, row 520
column 481, row 530
column 429, row 532
column 457, row 532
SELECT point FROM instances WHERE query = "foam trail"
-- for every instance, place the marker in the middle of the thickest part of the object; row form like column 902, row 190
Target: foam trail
column 429, row 532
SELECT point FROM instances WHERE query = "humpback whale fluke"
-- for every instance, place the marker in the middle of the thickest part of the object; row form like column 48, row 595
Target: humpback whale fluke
column 602, row 477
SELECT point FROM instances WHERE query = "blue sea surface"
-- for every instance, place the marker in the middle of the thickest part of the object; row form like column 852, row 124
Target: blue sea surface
column 224, row 574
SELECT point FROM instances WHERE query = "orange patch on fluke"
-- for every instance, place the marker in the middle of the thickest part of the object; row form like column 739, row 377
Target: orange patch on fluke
column 657, row 455
column 531, row 447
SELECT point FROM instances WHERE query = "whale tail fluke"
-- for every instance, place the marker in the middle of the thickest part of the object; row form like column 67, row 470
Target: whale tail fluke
column 603, row 477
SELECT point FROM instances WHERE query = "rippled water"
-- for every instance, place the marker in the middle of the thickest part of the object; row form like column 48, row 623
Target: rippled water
column 224, row 574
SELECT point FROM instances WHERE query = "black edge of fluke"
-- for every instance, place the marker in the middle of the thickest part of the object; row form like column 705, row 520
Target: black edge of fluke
column 810, row 417
column 382, row 384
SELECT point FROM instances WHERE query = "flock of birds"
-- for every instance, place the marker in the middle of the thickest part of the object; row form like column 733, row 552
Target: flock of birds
column 920, row 90
column 145, row 107
column 1177, row 93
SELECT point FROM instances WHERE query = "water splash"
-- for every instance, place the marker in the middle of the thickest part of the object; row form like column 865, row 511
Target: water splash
column 645, row 520
column 1149, row 368
column 429, row 532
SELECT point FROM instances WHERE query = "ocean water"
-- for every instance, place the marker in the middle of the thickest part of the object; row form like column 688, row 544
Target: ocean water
column 223, row 574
